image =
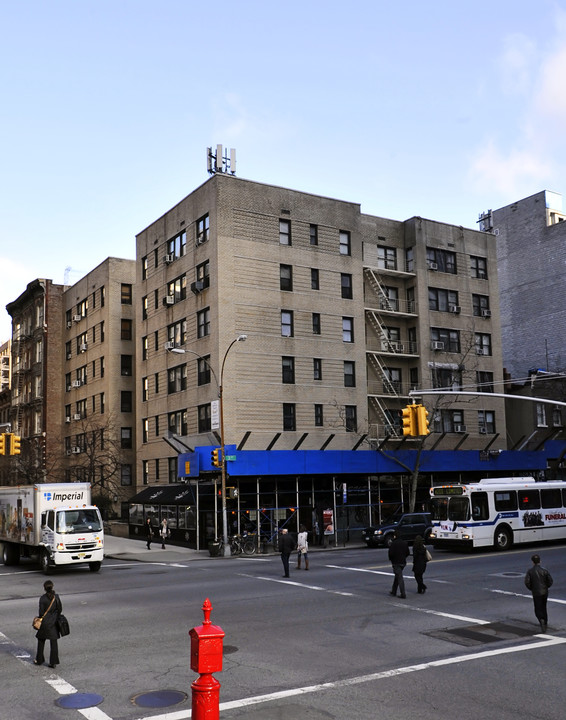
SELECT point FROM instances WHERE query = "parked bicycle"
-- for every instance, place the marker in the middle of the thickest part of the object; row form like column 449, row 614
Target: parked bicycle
column 238, row 544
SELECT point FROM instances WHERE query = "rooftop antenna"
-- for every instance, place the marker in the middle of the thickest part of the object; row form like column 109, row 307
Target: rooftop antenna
column 221, row 163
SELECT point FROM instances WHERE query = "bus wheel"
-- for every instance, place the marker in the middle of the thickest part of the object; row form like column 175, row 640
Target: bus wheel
column 10, row 554
column 503, row 539
column 44, row 562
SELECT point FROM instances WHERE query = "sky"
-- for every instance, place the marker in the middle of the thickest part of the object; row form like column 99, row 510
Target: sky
column 440, row 109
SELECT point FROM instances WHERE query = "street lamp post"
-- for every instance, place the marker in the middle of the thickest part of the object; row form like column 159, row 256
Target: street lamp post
column 220, row 385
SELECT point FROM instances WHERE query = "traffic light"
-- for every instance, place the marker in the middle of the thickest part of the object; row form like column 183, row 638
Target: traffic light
column 216, row 458
column 422, row 420
column 2, row 444
column 409, row 420
column 15, row 444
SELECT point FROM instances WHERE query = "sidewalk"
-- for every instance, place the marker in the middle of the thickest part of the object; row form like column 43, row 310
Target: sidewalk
column 121, row 548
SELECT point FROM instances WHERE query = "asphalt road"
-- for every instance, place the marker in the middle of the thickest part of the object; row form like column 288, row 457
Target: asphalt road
column 328, row 643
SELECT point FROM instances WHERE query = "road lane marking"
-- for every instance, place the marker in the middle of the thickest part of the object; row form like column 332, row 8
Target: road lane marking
column 450, row 616
column 285, row 581
column 546, row 641
column 525, row 595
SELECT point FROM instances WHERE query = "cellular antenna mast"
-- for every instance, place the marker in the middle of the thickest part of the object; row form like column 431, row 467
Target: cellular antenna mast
column 221, row 163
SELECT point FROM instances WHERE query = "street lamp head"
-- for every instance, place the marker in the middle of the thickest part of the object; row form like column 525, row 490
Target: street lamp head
column 241, row 338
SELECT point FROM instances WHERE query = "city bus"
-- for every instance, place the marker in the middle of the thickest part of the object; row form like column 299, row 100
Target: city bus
column 498, row 512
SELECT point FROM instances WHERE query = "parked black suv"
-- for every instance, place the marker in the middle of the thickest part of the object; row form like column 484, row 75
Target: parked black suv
column 407, row 526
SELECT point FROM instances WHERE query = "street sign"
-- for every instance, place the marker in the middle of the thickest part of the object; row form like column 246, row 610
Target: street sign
column 230, row 457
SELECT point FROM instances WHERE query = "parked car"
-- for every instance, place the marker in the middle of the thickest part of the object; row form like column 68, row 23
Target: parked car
column 408, row 526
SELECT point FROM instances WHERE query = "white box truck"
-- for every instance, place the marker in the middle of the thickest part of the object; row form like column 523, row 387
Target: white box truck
column 53, row 522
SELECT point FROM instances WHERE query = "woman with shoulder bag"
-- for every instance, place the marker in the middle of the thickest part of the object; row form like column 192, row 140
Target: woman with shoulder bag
column 50, row 607
column 420, row 559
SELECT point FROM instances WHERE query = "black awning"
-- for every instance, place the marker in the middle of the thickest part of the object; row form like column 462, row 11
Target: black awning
column 165, row 495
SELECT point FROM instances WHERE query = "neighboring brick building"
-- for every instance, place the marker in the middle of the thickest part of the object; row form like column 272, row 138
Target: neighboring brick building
column 531, row 257
column 344, row 313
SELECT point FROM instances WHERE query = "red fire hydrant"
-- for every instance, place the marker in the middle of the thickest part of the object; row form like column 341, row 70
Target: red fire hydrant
column 206, row 658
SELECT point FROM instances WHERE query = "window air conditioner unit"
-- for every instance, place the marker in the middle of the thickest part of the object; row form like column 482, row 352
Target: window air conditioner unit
column 437, row 345
column 454, row 309
column 77, row 416
column 481, row 351
column 432, row 266
column 69, row 325
column 486, row 313
column 83, row 347
column 75, row 450
column 169, row 345
column 197, row 286
column 69, row 355
column 169, row 300
column 68, row 419
column 483, row 431
column 460, row 428
column 169, row 258
column 396, row 346
column 76, row 383
column 77, row 318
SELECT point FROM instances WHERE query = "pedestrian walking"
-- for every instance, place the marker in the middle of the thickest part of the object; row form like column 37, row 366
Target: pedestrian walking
column 148, row 533
column 538, row 580
column 50, row 607
column 164, row 532
column 398, row 553
column 420, row 560
column 303, row 547
column 286, row 547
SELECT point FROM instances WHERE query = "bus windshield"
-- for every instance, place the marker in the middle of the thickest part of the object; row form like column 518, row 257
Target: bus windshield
column 452, row 508
column 78, row 521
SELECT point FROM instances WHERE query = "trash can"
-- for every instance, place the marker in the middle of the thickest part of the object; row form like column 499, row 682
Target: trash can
column 214, row 549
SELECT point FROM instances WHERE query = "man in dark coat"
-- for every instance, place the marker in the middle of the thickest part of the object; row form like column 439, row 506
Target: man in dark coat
column 286, row 547
column 50, row 607
column 538, row 580
column 398, row 554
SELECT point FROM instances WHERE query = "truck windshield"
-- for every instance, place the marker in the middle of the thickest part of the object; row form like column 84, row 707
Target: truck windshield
column 453, row 508
column 78, row 521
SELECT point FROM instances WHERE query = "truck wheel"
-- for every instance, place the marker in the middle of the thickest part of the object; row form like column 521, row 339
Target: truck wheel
column 94, row 566
column 503, row 538
column 10, row 554
column 44, row 562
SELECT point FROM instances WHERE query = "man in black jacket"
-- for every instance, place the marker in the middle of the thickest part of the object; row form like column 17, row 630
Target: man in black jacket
column 538, row 580
column 286, row 547
column 398, row 553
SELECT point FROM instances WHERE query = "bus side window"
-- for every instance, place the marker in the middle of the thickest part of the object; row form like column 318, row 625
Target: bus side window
column 480, row 507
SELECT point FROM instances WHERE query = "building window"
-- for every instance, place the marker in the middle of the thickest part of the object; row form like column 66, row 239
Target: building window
column 541, row 415
column 443, row 300
column 144, row 268
column 389, row 298
column 202, row 274
column 177, row 246
column 316, row 323
column 177, row 333
column 102, row 296
column 144, row 308
column 203, row 323
column 285, row 277
column 317, row 368
column 156, row 469
column 284, row 232
column 203, row 370
column 441, row 260
column 156, row 383
column 483, row 343
column 345, row 243
column 126, row 364
column 102, row 367
column 177, row 289
column 484, row 381
column 289, row 421
column 349, row 374
column 448, row 421
column 351, row 418
column 288, row 370
column 102, row 403
column 410, row 259
column 177, row 422
column 386, row 257
column 125, row 401
column 478, row 267
column 346, row 286
column 145, row 472
column 204, row 418
column 318, row 416
column 315, row 283
column 176, row 379
column 126, row 438
column 125, row 329
column 557, row 417
column 287, row 323
column 480, row 306
column 348, row 329
column 313, row 234
column 486, row 422
column 172, row 469
column 144, row 348
column 157, row 426
column 145, row 430
column 447, row 378
column 145, row 389
column 445, row 340
column 126, row 294
column 391, row 380
column 126, row 475
column 203, row 229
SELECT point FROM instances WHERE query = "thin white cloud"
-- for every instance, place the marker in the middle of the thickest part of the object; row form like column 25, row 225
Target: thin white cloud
column 516, row 64
column 513, row 173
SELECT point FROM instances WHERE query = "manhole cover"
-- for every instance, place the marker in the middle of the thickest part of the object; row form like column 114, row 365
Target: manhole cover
column 473, row 635
column 159, row 698
column 78, row 701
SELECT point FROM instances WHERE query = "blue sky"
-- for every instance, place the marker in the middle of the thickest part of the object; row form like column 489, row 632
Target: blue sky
column 436, row 109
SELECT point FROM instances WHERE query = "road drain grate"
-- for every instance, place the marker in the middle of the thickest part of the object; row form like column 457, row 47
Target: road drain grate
column 473, row 635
